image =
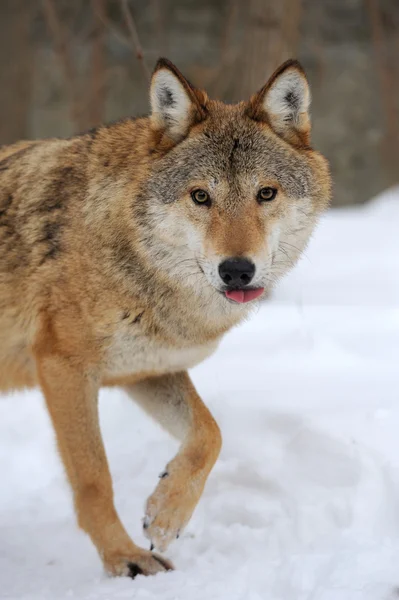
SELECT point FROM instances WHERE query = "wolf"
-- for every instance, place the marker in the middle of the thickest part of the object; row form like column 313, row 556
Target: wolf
column 127, row 253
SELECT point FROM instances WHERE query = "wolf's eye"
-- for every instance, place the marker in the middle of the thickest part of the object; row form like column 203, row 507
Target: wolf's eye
column 266, row 194
column 201, row 197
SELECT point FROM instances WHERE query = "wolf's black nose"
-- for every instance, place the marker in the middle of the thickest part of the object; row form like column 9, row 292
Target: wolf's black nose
column 236, row 272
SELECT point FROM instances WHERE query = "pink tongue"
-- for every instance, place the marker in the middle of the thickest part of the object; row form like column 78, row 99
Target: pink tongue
column 244, row 295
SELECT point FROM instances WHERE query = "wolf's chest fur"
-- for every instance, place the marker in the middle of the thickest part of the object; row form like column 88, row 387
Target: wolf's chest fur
column 140, row 354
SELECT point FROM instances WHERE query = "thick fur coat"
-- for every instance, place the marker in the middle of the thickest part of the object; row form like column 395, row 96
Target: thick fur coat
column 112, row 246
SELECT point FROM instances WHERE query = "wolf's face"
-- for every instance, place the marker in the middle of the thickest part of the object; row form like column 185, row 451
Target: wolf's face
column 237, row 192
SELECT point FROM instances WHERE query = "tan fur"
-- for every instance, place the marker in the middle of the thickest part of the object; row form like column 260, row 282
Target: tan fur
column 108, row 276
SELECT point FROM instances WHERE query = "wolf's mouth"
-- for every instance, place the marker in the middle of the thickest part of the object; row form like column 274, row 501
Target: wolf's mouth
column 243, row 296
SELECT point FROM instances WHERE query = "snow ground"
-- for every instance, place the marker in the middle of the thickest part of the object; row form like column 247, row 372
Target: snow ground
column 304, row 501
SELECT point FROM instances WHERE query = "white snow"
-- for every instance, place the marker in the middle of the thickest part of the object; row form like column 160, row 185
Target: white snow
column 304, row 500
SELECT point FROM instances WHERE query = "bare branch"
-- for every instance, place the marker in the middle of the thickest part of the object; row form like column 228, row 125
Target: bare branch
column 134, row 37
column 101, row 14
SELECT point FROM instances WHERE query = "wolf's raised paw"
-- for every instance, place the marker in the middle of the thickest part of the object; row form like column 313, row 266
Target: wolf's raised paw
column 169, row 509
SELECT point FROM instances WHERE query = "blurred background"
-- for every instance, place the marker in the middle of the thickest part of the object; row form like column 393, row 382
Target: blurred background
column 68, row 65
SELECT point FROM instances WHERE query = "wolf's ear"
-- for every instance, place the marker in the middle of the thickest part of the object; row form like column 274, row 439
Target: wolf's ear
column 284, row 103
column 175, row 104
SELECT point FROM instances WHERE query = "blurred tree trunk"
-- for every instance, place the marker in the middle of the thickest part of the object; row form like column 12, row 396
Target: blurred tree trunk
column 16, row 69
column 97, row 90
column 271, row 38
column 262, row 44
column 386, row 75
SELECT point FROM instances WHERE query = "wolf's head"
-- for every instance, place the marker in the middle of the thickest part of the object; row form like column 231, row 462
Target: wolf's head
column 234, row 190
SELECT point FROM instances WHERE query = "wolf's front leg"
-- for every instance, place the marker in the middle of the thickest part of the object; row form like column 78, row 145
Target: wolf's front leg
column 71, row 396
column 174, row 402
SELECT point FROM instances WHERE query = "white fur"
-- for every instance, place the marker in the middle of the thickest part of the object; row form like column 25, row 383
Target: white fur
column 290, row 81
column 274, row 238
column 176, row 116
column 133, row 354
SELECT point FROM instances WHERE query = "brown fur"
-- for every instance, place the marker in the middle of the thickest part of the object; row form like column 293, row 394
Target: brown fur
column 108, row 276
